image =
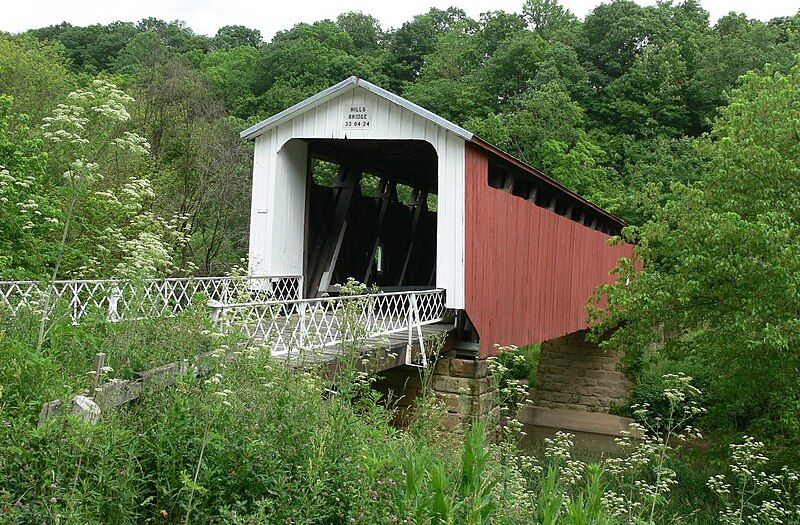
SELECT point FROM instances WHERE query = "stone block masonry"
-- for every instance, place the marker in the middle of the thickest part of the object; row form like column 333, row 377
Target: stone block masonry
column 463, row 387
column 575, row 374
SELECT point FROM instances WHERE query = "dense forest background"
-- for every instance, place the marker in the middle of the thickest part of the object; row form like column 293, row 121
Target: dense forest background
column 608, row 105
column 120, row 155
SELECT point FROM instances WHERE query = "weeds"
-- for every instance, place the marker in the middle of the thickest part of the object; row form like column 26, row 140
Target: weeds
column 254, row 442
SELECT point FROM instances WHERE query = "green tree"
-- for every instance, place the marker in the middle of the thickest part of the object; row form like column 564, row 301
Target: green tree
column 496, row 27
column 412, row 41
column 737, row 45
column 364, row 30
column 650, row 98
column 547, row 15
column 545, row 128
column 176, row 35
column 304, row 60
column 202, row 168
column 34, row 73
column 644, row 180
column 92, row 48
column 29, row 215
column 528, row 59
column 613, row 35
column 232, row 72
column 236, row 36
column 143, row 52
column 720, row 284
column 447, row 85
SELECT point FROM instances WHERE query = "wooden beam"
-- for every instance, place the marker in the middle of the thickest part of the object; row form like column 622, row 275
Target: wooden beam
column 419, row 203
column 508, row 181
column 325, row 280
column 345, row 186
column 387, row 193
column 533, row 194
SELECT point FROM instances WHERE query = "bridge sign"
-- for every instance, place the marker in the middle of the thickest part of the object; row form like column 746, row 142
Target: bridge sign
column 357, row 117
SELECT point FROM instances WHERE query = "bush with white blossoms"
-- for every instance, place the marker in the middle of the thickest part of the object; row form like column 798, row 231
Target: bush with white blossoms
column 29, row 214
column 512, row 393
column 105, row 173
column 750, row 495
column 642, row 474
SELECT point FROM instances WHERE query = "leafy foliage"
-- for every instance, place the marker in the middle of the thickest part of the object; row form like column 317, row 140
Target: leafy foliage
column 606, row 105
column 28, row 214
column 234, row 444
column 685, row 129
column 721, row 264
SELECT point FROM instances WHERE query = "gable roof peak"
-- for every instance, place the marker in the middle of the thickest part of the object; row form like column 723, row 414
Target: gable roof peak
column 342, row 87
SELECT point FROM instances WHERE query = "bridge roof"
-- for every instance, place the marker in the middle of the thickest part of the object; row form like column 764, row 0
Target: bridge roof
column 352, row 82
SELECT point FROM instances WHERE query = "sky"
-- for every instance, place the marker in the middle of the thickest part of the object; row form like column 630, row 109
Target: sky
column 269, row 16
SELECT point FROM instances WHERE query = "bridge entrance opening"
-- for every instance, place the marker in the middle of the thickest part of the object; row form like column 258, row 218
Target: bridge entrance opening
column 370, row 214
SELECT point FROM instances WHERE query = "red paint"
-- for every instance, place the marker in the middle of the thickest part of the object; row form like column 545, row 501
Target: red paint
column 529, row 271
column 552, row 183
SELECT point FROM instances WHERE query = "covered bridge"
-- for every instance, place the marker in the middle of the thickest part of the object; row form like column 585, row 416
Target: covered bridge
column 517, row 253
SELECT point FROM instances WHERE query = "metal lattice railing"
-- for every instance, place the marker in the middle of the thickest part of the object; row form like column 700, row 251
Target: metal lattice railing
column 118, row 299
column 308, row 324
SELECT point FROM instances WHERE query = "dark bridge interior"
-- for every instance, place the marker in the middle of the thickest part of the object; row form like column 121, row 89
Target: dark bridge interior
column 377, row 239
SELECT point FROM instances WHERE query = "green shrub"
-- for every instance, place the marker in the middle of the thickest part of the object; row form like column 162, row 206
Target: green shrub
column 252, row 441
column 61, row 367
column 650, row 386
column 520, row 361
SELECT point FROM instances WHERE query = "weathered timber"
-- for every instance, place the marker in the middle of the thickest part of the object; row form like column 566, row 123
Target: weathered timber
column 49, row 410
column 82, row 406
column 419, row 206
column 374, row 355
column 99, row 364
column 323, row 262
column 387, row 195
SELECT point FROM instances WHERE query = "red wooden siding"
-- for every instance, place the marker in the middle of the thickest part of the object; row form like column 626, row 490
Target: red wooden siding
column 529, row 271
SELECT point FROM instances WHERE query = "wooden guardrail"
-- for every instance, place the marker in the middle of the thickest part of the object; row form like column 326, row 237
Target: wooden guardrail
column 117, row 392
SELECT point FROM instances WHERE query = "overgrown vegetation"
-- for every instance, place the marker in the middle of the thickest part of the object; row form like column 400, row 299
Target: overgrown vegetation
column 119, row 157
column 719, row 292
column 254, row 441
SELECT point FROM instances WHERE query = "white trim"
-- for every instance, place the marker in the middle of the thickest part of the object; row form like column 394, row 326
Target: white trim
column 335, row 90
column 275, row 239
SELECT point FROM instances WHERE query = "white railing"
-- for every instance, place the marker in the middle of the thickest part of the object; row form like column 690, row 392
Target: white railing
column 316, row 324
column 118, row 299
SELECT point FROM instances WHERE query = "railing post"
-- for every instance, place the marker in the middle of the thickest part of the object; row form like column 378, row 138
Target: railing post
column 165, row 291
column 76, row 303
column 302, row 310
column 113, row 302
column 224, row 295
column 216, row 310
column 410, row 330
column 419, row 330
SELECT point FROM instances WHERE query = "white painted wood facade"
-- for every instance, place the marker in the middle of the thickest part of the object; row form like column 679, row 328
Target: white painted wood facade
column 279, row 175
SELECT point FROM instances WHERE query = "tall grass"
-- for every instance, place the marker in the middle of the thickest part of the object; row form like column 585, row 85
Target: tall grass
column 253, row 441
